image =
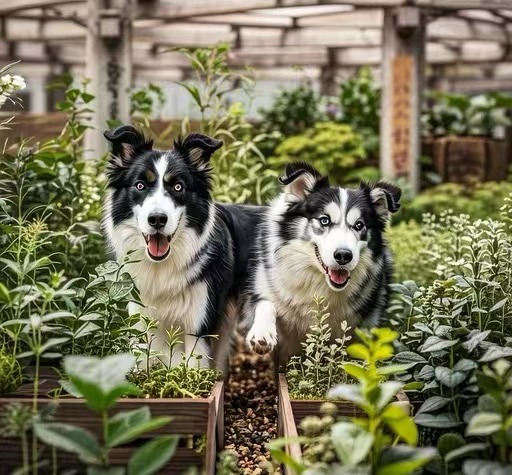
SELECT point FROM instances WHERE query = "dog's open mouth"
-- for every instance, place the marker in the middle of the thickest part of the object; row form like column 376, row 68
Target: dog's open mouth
column 337, row 277
column 158, row 246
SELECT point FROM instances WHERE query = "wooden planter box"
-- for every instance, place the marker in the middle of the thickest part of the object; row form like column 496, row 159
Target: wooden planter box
column 291, row 412
column 469, row 159
column 202, row 417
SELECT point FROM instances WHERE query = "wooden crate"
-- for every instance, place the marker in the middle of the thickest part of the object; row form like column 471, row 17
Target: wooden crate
column 293, row 411
column 202, row 417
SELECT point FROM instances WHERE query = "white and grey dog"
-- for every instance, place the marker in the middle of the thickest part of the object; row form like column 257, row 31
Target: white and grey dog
column 324, row 240
column 191, row 252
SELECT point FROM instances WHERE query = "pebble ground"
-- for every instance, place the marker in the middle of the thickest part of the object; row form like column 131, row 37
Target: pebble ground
column 251, row 410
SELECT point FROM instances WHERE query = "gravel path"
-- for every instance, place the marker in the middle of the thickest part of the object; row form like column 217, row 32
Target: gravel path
column 251, row 411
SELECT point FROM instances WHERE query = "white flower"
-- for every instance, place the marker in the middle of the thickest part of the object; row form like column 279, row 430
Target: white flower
column 18, row 83
column 3, row 98
column 6, row 80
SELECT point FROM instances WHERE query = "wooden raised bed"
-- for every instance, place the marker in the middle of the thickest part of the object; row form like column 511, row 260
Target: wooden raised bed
column 469, row 159
column 200, row 417
column 292, row 411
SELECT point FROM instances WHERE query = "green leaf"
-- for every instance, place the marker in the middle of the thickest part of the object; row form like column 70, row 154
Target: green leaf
column 433, row 404
column 434, row 343
column 4, row 294
column 485, row 467
column 465, row 450
column 70, row 439
column 349, row 392
column 449, row 377
column 358, row 351
column 484, row 423
column 122, row 421
column 134, row 431
column 440, row 421
column 495, row 353
column 498, row 306
column 398, row 420
column 394, row 369
column 388, row 391
column 403, row 460
column 449, row 442
column 409, row 357
column 351, row 442
column 356, row 371
column 465, row 365
column 152, row 456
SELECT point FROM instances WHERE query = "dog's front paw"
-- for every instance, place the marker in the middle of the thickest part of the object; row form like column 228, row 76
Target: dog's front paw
column 262, row 339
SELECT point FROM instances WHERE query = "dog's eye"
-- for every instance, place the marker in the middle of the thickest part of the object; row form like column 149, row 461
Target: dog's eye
column 140, row 186
column 359, row 225
column 324, row 220
column 178, row 187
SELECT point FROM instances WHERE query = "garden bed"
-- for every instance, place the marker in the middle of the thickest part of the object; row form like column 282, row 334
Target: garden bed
column 293, row 411
column 190, row 417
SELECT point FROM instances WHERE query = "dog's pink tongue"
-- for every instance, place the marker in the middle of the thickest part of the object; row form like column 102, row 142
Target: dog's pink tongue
column 339, row 276
column 157, row 245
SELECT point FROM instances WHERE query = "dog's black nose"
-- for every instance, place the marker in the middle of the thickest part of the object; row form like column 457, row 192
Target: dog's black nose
column 157, row 220
column 343, row 256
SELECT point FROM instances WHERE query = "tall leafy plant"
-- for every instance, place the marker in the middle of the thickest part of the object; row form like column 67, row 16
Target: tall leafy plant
column 240, row 171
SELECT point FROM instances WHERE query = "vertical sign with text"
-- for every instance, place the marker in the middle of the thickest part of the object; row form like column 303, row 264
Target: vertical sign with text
column 401, row 114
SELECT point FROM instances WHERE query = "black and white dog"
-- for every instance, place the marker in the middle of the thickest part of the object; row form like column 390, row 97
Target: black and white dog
column 192, row 253
column 324, row 240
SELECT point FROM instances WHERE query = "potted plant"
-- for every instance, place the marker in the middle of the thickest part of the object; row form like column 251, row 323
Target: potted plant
column 460, row 135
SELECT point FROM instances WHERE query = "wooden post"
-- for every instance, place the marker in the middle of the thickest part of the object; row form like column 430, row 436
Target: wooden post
column 403, row 71
column 108, row 66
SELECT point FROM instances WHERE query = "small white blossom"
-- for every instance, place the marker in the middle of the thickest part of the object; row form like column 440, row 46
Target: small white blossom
column 18, row 83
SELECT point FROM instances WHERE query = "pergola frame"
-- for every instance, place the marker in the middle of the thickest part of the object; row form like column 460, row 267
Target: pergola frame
column 468, row 41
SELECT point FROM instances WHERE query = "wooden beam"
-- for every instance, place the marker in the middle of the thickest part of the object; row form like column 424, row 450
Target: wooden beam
column 9, row 6
column 466, row 4
column 402, row 84
column 109, row 67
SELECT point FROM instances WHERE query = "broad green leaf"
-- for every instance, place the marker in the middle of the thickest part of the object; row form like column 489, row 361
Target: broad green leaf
column 349, row 392
column 484, row 423
column 496, row 352
column 388, row 391
column 465, row 365
column 403, row 460
column 135, row 431
column 433, row 404
column 358, row 351
column 152, row 456
column 70, row 439
column 356, row 371
column 498, row 306
column 465, row 450
column 351, row 443
column 399, row 421
column 409, row 357
column 449, row 377
column 439, row 421
column 118, row 424
column 434, row 343
column 485, row 467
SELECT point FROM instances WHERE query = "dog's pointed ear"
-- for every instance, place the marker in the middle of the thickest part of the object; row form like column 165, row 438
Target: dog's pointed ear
column 385, row 198
column 198, row 149
column 126, row 142
column 300, row 179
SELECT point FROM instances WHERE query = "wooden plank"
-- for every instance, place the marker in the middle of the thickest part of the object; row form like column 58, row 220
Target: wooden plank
column 456, row 4
column 8, row 6
column 10, row 452
column 286, row 422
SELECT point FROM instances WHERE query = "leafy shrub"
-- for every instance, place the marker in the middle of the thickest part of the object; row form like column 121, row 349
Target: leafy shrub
column 360, row 107
column 460, row 321
column 333, row 149
column 463, row 115
column 482, row 201
column 314, row 372
column 240, row 171
column 293, row 111
column 364, row 444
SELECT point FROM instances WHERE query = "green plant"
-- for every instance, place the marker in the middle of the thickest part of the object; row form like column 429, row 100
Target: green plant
column 333, row 149
column 101, row 382
column 240, row 172
column 311, row 374
column 360, row 99
column 483, row 200
column 293, row 111
column 493, row 420
column 366, row 445
column 10, row 373
column 462, row 115
column 9, row 85
column 460, row 321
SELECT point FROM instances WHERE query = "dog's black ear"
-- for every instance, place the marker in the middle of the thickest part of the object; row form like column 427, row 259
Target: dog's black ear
column 126, row 142
column 385, row 198
column 300, row 179
column 198, row 149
